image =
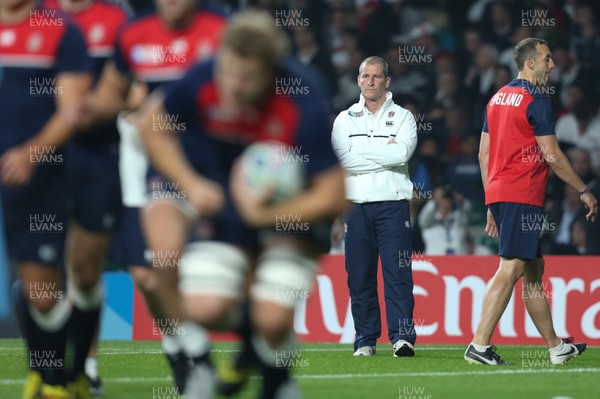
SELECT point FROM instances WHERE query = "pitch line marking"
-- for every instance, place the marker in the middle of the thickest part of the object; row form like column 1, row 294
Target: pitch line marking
column 557, row 370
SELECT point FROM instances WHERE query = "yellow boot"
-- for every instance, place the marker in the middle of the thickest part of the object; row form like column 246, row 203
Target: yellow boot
column 33, row 383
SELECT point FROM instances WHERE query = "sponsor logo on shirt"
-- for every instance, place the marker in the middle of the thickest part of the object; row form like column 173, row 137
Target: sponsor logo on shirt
column 356, row 114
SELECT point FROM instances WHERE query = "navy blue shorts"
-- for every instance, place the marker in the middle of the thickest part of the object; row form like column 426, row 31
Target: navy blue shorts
column 519, row 228
column 128, row 246
column 35, row 218
column 94, row 187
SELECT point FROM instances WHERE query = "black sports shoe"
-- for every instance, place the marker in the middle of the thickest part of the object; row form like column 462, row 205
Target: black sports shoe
column 180, row 366
column 96, row 387
column 488, row 357
column 231, row 379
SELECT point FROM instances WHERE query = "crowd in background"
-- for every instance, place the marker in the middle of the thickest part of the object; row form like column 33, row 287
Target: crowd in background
column 446, row 59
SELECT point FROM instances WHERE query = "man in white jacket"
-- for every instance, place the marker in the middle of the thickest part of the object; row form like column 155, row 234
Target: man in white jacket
column 374, row 140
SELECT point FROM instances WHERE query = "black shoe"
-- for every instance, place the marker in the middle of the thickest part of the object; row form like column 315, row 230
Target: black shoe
column 230, row 379
column 488, row 357
column 180, row 366
column 96, row 387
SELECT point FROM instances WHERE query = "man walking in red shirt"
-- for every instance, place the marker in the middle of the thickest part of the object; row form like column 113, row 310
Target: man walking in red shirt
column 518, row 145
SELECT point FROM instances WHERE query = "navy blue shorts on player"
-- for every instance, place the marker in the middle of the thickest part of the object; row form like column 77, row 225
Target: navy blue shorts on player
column 519, row 228
column 35, row 217
column 94, row 186
column 128, row 246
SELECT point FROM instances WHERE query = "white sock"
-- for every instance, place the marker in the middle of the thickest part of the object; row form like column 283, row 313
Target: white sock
column 171, row 344
column 87, row 301
column 91, row 367
column 558, row 348
column 480, row 348
column 194, row 339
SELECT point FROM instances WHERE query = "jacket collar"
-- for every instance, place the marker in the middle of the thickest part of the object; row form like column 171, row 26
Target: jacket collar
column 360, row 105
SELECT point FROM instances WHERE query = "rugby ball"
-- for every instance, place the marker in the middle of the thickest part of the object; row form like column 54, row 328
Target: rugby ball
column 273, row 167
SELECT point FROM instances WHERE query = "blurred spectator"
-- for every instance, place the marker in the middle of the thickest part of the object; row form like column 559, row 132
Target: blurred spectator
column 309, row 52
column 480, row 81
column 406, row 80
column 581, row 128
column 472, row 42
column 341, row 41
column 448, row 94
column 507, row 56
column 502, row 77
column 455, row 129
column 429, row 169
column 567, row 73
column 573, row 94
column 376, row 24
column 348, row 90
column 499, row 33
column 465, row 174
column 560, row 220
column 585, row 39
column 543, row 24
column 444, row 222
column 578, row 236
column 582, row 164
column 405, row 15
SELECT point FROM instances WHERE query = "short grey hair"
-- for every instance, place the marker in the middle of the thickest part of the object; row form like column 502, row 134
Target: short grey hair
column 375, row 60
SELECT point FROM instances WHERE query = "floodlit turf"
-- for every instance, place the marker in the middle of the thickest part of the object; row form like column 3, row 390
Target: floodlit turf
column 138, row 370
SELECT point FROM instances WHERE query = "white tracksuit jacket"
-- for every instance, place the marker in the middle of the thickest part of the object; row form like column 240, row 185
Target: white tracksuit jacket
column 375, row 170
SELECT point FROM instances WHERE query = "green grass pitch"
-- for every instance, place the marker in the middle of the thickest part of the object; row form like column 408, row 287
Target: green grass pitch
column 137, row 370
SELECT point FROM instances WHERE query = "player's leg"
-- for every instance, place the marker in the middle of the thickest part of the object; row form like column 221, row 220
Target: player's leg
column 361, row 266
column 537, row 306
column 87, row 253
column 392, row 226
column 166, row 228
column 91, row 365
column 497, row 296
column 166, row 225
column 518, row 243
column 211, row 283
column 132, row 243
column 94, row 191
column 283, row 277
column 35, row 228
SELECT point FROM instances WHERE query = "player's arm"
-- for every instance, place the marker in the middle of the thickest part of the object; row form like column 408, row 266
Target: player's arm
column 61, row 126
column 398, row 150
column 342, row 146
column 73, row 82
column 561, row 166
column 324, row 197
column 484, row 157
column 167, row 156
column 110, row 95
column 15, row 165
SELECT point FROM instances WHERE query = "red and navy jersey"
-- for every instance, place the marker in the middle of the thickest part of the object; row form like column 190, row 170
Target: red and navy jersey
column 99, row 23
column 150, row 52
column 299, row 121
column 517, row 170
column 33, row 52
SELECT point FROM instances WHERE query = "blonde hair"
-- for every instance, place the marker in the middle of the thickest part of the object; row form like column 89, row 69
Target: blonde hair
column 252, row 33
